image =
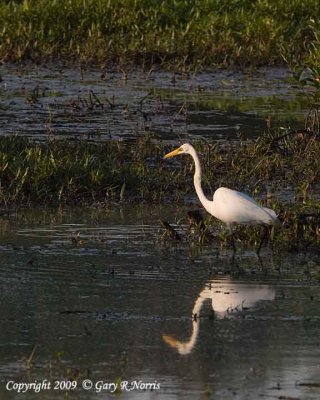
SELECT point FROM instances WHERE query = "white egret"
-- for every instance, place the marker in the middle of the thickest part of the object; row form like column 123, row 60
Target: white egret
column 229, row 206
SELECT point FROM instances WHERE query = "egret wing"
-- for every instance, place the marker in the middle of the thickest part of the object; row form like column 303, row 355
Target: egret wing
column 237, row 207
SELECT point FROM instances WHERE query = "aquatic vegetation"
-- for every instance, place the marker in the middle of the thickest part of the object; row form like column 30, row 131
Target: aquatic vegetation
column 309, row 79
column 175, row 34
column 280, row 169
column 63, row 171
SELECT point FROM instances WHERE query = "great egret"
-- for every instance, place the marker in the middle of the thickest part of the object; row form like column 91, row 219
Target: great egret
column 228, row 205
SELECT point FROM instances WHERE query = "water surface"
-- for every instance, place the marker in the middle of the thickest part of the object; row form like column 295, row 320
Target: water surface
column 60, row 102
column 103, row 298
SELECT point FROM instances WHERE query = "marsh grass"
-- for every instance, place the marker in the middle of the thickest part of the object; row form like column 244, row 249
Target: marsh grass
column 63, row 171
column 170, row 33
column 280, row 169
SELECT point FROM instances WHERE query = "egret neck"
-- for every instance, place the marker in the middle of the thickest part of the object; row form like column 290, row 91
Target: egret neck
column 207, row 204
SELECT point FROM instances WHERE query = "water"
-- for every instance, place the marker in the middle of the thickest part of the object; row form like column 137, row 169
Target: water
column 60, row 102
column 103, row 298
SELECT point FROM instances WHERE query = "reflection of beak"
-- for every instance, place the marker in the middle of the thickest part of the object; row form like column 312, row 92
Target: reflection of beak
column 170, row 340
column 173, row 153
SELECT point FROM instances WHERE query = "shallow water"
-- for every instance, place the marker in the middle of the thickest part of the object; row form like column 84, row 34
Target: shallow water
column 103, row 298
column 58, row 102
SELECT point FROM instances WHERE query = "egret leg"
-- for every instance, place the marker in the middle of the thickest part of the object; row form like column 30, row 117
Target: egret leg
column 233, row 243
column 265, row 234
column 260, row 262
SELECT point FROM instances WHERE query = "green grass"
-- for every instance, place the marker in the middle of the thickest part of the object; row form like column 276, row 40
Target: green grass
column 68, row 172
column 283, row 163
column 280, row 169
column 172, row 33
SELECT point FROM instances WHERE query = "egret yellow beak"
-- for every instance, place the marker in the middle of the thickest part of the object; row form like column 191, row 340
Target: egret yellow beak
column 173, row 153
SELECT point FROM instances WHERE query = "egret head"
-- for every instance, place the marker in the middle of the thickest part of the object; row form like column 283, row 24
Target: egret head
column 184, row 149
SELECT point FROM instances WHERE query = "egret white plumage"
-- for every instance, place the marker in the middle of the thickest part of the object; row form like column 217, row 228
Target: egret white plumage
column 229, row 206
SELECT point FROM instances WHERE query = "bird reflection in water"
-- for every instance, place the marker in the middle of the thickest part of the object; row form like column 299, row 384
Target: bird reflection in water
column 227, row 298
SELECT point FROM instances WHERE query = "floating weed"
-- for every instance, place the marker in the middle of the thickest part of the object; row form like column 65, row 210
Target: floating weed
column 76, row 240
column 118, row 383
column 29, row 360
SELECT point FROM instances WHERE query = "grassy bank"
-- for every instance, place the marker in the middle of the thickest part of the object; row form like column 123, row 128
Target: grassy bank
column 171, row 33
column 281, row 170
column 281, row 165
